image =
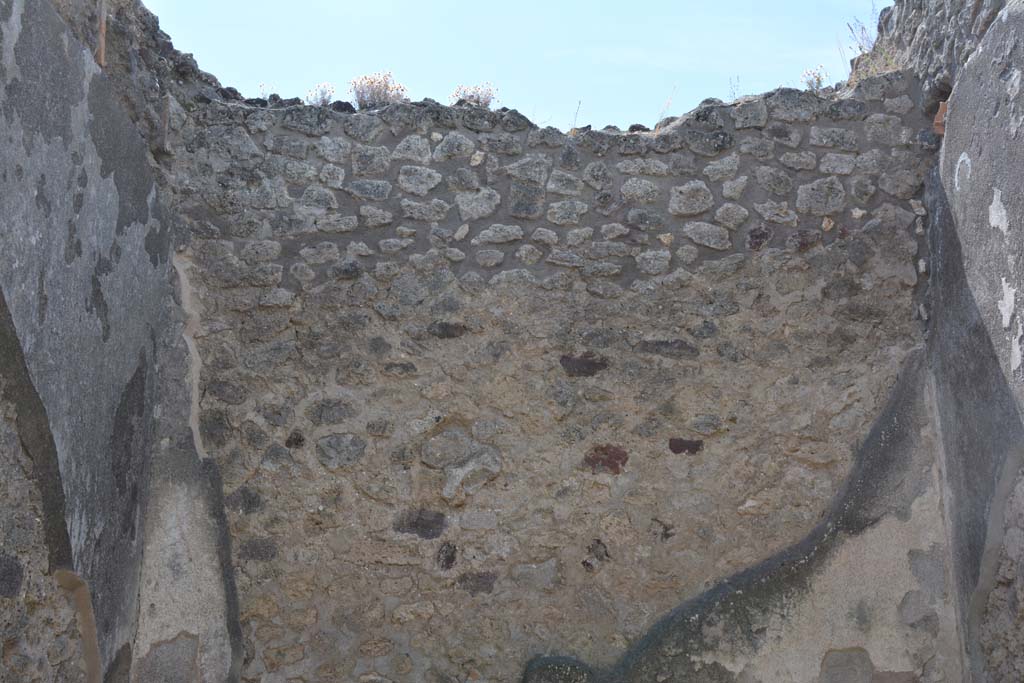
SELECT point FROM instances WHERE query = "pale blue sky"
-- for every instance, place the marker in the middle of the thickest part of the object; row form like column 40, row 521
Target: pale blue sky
column 622, row 62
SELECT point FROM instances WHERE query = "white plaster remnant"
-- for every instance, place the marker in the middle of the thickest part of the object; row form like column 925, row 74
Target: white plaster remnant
column 193, row 325
column 1013, row 84
column 964, row 159
column 1015, row 350
column 1015, row 123
column 997, row 216
column 11, row 33
column 1006, row 304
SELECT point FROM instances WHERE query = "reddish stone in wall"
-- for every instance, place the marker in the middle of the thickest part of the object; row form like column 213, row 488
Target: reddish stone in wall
column 606, row 459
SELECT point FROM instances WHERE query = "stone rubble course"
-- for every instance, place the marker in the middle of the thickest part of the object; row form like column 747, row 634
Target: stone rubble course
column 673, row 188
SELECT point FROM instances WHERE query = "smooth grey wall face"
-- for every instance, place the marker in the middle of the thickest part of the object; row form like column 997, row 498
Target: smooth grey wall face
column 89, row 312
column 82, row 291
column 981, row 430
column 977, row 347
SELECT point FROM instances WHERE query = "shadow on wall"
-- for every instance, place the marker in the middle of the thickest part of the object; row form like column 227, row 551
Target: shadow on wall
column 981, row 433
column 36, row 439
column 980, row 422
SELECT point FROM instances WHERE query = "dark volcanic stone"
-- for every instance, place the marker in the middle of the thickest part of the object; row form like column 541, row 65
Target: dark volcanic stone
column 379, row 346
column 672, row 348
column 400, row 369
column 645, row 219
column 426, row 524
column 477, row 582
column 229, row 94
column 557, row 670
column 214, row 427
column 758, row 237
column 343, row 107
column 11, row 575
column 340, row 450
column 802, row 240
column 585, row 365
column 446, row 330
column 446, row 555
column 691, row 446
column 599, row 550
column 346, row 270
column 705, row 330
column 526, row 200
column 330, row 411
column 259, row 549
column 245, row 500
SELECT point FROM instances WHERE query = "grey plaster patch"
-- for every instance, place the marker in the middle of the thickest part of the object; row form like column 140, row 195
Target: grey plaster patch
column 37, row 440
column 172, row 661
column 48, row 70
column 122, row 155
column 847, row 666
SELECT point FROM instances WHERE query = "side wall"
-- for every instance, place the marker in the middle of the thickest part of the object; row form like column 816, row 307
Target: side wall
column 933, row 39
column 979, row 347
column 93, row 363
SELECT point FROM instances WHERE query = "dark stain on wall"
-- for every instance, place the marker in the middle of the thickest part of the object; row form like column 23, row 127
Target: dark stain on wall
column 981, row 425
column 33, row 427
column 122, row 153
column 120, row 670
column 12, row 574
column 49, row 82
column 127, row 444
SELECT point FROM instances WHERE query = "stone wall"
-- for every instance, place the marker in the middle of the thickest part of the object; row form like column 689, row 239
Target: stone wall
column 334, row 194
column 37, row 622
column 472, row 385
column 934, row 38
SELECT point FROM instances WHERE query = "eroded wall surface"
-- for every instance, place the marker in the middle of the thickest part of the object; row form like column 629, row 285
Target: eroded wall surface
column 37, row 621
column 934, row 38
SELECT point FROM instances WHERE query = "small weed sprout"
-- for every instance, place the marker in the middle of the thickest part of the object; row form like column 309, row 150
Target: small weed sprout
column 871, row 56
column 734, row 88
column 862, row 39
column 320, row 95
column 478, row 95
column 265, row 90
column 377, row 90
column 668, row 103
column 815, row 79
